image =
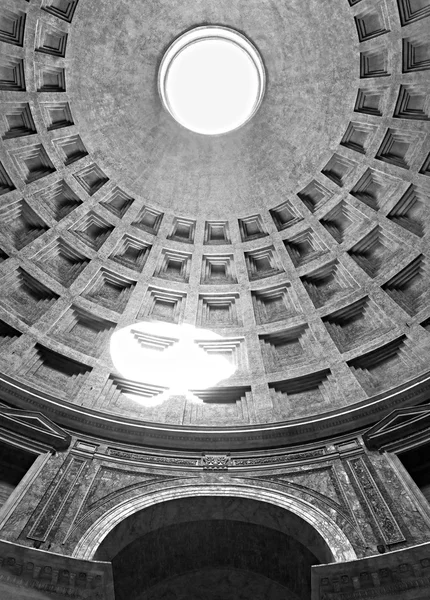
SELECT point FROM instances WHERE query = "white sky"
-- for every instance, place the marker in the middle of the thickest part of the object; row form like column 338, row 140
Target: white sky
column 212, row 86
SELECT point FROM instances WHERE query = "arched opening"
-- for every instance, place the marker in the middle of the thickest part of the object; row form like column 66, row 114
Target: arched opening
column 213, row 557
column 215, row 546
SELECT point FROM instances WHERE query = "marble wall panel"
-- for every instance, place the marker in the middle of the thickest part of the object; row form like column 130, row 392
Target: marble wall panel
column 402, row 574
column 356, row 490
column 29, row 574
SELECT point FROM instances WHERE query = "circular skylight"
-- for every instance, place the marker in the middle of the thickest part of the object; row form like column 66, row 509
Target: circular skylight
column 211, row 80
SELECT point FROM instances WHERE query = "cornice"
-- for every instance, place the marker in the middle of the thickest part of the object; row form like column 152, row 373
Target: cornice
column 397, row 427
column 34, row 426
column 157, row 435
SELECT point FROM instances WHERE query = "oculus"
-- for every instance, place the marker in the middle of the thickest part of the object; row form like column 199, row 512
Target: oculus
column 211, row 80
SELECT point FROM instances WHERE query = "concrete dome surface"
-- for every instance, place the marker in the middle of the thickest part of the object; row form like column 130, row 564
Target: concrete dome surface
column 301, row 239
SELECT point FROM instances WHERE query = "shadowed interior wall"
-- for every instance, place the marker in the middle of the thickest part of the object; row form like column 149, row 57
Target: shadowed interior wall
column 14, row 463
column 212, row 584
column 221, row 509
column 228, row 545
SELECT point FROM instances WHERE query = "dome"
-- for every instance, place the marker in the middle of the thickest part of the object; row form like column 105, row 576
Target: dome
column 299, row 241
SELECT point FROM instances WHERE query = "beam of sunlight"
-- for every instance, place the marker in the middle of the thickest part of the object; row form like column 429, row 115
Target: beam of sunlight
column 168, row 355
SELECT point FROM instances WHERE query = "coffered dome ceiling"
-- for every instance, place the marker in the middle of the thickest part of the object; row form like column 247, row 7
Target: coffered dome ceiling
column 301, row 239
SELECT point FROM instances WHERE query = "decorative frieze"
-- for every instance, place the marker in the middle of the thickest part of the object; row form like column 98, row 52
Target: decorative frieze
column 152, row 458
column 215, row 462
column 381, row 514
column 49, row 513
column 272, row 460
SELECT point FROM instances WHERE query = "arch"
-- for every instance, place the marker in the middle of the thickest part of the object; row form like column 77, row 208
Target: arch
column 329, row 532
